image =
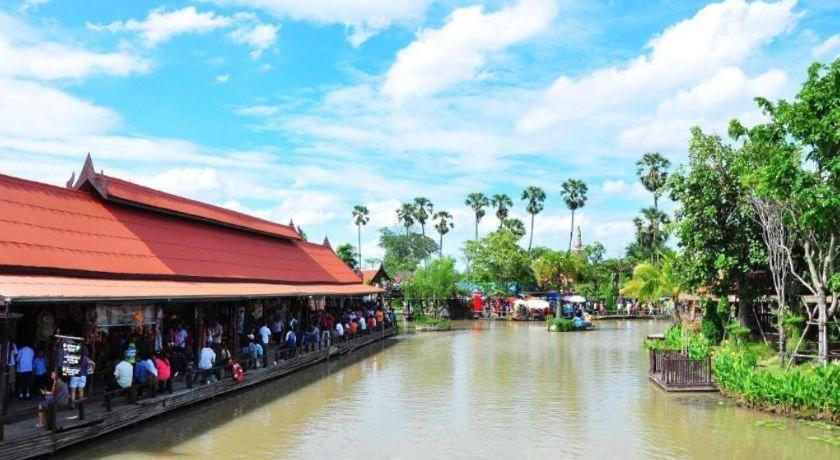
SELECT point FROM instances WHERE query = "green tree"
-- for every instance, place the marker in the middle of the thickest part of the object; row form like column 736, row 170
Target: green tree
column 348, row 254
column 435, row 284
column 719, row 238
column 502, row 203
column 647, row 235
column 423, row 210
column 573, row 192
column 557, row 270
column 651, row 280
column 443, row 225
column 477, row 202
column 652, row 170
column 498, row 262
column 794, row 159
column 515, row 226
column 403, row 252
column 405, row 215
column 361, row 216
column 535, row 197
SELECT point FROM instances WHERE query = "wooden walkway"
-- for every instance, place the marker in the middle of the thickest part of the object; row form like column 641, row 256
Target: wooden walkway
column 604, row 317
column 23, row 440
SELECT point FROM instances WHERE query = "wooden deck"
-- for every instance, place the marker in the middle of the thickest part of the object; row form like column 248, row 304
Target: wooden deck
column 605, row 317
column 22, row 440
column 673, row 371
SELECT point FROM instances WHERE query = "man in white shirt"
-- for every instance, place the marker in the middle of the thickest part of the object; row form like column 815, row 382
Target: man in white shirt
column 206, row 359
column 181, row 337
column 339, row 329
column 124, row 374
column 25, row 356
column 265, row 335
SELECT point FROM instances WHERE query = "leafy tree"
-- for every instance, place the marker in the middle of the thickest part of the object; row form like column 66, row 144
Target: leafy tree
column 405, row 215
column 515, row 226
column 651, row 280
column 794, row 159
column 558, row 270
column 652, row 170
column 574, row 192
column 502, row 203
column 423, row 210
column 443, row 225
column 435, row 284
column 373, row 261
column 719, row 238
column 477, row 202
column 361, row 216
column 498, row 262
column 647, row 235
column 403, row 252
column 348, row 254
column 535, row 197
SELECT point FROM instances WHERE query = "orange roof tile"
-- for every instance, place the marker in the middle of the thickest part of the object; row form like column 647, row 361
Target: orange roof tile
column 47, row 229
column 49, row 288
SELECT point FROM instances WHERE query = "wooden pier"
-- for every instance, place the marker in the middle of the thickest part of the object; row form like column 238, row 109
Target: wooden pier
column 674, row 371
column 22, row 440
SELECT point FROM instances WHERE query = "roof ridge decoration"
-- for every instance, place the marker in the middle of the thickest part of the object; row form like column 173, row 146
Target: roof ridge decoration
column 88, row 176
column 327, row 242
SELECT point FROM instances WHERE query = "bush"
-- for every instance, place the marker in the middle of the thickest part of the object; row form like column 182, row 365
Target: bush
column 793, row 326
column 429, row 321
column 738, row 334
column 694, row 345
column 712, row 326
column 560, row 324
column 808, row 391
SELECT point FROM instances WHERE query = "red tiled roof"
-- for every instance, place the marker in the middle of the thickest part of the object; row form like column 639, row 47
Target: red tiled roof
column 54, row 288
column 369, row 275
column 118, row 189
column 47, row 229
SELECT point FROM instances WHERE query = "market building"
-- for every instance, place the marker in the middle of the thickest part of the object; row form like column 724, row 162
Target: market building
column 103, row 259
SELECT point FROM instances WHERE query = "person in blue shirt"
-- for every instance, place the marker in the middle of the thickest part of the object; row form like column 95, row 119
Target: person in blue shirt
column 39, row 368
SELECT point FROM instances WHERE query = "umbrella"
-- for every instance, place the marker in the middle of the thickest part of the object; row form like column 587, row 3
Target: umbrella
column 575, row 298
column 533, row 304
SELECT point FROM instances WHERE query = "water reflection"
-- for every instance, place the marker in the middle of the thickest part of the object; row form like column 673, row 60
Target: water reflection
column 488, row 389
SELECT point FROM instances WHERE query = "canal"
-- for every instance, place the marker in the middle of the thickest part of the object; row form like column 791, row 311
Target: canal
column 487, row 389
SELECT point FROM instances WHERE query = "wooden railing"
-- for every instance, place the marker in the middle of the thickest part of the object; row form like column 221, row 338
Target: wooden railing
column 675, row 369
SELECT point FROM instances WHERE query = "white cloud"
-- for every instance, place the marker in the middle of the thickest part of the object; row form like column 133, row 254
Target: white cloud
column 362, row 18
column 32, row 4
column 829, row 49
column 161, row 25
column 189, row 182
column 25, row 53
column 711, row 104
column 624, row 189
column 257, row 111
column 223, row 78
column 458, row 51
column 718, row 36
column 259, row 37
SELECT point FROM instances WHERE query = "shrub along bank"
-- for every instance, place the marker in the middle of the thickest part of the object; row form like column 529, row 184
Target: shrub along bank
column 808, row 391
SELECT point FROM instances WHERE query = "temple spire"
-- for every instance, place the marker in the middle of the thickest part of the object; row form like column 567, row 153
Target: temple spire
column 578, row 249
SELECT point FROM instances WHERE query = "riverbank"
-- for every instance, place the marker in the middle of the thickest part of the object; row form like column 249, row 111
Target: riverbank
column 23, row 441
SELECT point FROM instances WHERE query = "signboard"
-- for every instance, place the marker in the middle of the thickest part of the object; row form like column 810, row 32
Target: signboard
column 125, row 315
column 70, row 357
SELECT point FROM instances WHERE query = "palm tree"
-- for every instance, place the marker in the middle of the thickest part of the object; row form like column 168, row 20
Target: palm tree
column 406, row 215
column 536, row 198
column 652, row 170
column 443, row 225
column 477, row 202
column 515, row 226
column 423, row 210
column 651, row 280
column 573, row 192
column 361, row 216
column 502, row 203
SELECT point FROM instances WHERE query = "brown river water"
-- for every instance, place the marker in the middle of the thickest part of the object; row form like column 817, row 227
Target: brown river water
column 486, row 389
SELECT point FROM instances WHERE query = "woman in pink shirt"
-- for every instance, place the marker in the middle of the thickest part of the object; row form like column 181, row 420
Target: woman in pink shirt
column 164, row 373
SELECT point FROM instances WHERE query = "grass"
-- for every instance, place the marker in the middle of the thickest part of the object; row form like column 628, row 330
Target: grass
column 430, row 321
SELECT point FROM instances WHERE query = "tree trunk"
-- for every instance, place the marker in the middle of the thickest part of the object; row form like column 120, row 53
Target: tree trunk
column 531, row 238
column 440, row 247
column 822, row 330
column 476, row 227
column 571, row 233
column 746, row 312
column 654, row 244
column 359, row 227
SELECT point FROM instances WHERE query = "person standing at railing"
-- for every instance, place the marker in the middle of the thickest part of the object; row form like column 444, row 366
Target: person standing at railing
column 25, row 357
column 164, row 373
column 58, row 394
column 206, row 359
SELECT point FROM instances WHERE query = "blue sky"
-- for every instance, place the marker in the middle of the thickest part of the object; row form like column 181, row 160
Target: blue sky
column 301, row 109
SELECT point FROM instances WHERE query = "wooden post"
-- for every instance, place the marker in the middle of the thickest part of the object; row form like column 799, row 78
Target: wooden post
column 4, row 363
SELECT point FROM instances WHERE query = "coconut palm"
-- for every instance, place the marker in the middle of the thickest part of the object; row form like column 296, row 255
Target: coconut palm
column 405, row 214
column 423, row 210
column 361, row 216
column 573, row 192
column 536, row 198
column 652, row 280
column 652, row 170
column 502, row 203
column 443, row 225
column 477, row 202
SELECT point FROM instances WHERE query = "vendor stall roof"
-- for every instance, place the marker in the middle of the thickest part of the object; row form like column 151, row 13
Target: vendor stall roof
column 39, row 289
column 48, row 230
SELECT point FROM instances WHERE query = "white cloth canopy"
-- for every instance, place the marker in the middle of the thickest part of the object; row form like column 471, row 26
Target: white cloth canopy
column 575, row 298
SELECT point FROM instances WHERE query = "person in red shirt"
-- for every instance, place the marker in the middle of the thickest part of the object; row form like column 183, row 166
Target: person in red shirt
column 354, row 327
column 371, row 323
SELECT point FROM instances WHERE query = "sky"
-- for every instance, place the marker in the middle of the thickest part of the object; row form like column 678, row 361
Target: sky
column 292, row 109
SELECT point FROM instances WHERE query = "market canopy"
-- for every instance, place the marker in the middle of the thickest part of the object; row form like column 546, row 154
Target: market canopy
column 22, row 288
